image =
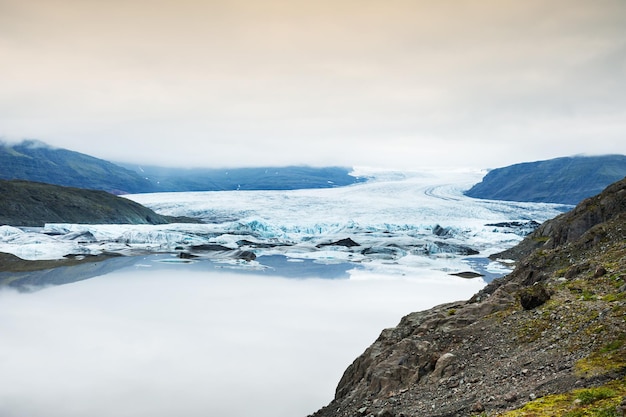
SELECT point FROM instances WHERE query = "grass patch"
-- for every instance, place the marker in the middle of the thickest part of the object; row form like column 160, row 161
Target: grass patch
column 610, row 357
column 588, row 402
column 534, row 327
column 592, row 395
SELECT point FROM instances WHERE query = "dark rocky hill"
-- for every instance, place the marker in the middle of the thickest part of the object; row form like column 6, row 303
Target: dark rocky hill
column 35, row 161
column 562, row 180
column 25, row 203
column 549, row 339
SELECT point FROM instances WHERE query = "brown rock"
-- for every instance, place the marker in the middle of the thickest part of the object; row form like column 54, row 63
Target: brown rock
column 444, row 366
column 510, row 397
column 600, row 271
column 478, row 407
column 533, row 297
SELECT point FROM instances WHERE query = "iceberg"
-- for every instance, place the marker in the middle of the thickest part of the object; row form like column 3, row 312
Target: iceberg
column 8, row 232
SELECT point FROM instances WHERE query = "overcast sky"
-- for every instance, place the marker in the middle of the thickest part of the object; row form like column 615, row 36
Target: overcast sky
column 394, row 83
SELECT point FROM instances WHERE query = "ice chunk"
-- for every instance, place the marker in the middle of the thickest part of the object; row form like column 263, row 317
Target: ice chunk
column 9, row 232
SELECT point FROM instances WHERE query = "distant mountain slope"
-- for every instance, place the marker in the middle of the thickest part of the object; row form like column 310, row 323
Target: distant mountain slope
column 566, row 180
column 35, row 161
column 262, row 178
column 24, row 203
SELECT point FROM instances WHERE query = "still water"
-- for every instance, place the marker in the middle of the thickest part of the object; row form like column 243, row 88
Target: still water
column 159, row 338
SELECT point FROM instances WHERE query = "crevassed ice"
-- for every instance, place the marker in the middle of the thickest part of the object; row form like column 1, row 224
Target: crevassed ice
column 396, row 218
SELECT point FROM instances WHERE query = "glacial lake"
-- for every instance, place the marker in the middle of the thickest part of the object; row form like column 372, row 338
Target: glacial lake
column 162, row 337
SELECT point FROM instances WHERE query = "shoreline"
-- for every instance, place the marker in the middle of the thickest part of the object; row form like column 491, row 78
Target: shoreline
column 25, row 276
column 12, row 263
column 28, row 275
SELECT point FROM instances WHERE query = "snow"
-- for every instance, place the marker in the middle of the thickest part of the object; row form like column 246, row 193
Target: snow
column 404, row 219
column 9, row 231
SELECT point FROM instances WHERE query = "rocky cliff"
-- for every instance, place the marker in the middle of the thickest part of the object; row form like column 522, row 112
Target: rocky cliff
column 549, row 339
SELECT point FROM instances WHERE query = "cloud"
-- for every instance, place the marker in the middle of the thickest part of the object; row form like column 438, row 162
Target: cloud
column 244, row 83
column 162, row 343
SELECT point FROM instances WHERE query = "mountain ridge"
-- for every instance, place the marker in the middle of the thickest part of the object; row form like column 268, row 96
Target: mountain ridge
column 244, row 179
column 565, row 180
column 36, row 161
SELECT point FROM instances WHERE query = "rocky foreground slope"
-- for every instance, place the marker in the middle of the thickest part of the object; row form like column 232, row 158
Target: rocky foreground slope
column 547, row 340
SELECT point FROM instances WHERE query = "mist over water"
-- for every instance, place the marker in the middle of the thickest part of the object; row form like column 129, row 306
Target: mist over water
column 151, row 342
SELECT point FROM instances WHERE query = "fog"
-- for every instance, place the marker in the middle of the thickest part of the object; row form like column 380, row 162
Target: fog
column 395, row 84
column 156, row 343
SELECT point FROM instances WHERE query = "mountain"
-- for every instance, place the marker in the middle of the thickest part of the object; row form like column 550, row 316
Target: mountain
column 25, row 203
column 35, row 161
column 566, row 180
column 262, row 178
column 549, row 339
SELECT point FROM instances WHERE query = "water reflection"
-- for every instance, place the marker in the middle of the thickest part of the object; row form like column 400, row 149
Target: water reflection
column 272, row 265
column 160, row 339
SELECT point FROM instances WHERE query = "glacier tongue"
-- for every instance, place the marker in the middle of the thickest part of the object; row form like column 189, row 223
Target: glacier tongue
column 403, row 219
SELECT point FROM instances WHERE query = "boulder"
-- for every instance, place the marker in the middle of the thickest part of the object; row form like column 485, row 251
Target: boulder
column 347, row 242
column 444, row 366
column 245, row 255
column 534, row 296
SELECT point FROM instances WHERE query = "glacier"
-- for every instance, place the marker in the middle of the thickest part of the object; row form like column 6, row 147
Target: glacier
column 399, row 221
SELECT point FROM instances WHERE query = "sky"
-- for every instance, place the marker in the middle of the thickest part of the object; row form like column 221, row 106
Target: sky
column 395, row 83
